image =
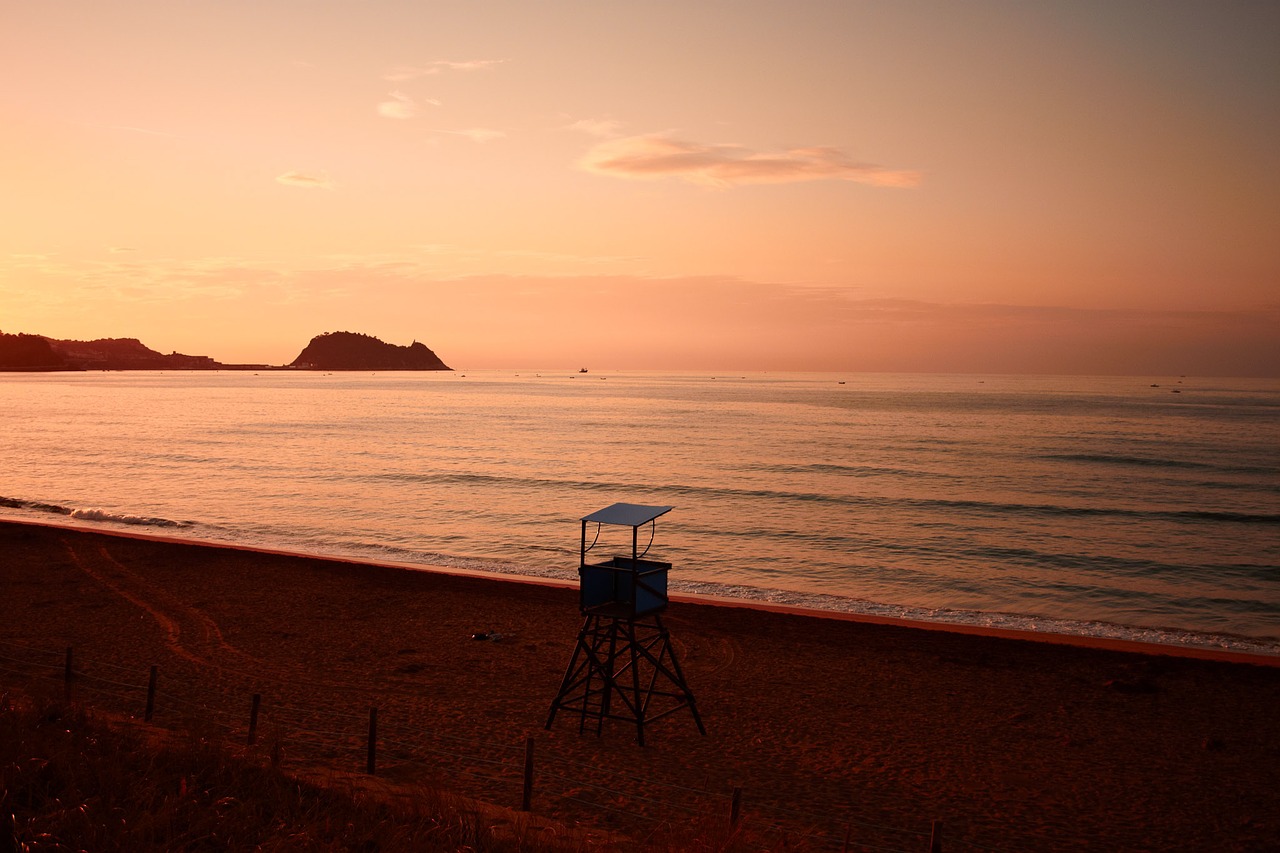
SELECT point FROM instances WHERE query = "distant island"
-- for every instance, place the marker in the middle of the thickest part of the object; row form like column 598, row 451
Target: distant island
column 329, row 351
column 353, row 351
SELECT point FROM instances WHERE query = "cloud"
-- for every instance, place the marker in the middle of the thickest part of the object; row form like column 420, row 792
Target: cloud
column 401, row 73
column 477, row 134
column 727, row 164
column 146, row 130
column 445, row 260
column 306, row 180
column 606, row 128
column 398, row 105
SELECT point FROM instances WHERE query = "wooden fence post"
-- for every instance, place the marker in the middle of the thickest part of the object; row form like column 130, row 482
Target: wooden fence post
column 526, row 801
column 151, row 696
column 66, row 678
column 935, row 837
column 735, row 808
column 372, row 764
column 253, row 718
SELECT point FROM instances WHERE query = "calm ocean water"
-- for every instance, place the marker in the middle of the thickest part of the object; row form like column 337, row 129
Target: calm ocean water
column 1103, row 506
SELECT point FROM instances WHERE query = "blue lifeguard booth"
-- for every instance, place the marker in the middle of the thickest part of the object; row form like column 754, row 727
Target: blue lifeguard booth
column 623, row 666
column 622, row 586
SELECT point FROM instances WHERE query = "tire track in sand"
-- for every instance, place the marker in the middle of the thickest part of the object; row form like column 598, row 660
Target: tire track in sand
column 206, row 646
column 202, row 646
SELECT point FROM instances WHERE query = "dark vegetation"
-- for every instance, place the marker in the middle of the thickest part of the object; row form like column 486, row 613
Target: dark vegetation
column 28, row 352
column 70, row 780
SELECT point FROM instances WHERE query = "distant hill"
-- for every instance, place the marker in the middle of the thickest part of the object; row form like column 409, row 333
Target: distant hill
column 330, row 351
column 354, row 351
column 28, row 352
column 127, row 354
column 36, row 352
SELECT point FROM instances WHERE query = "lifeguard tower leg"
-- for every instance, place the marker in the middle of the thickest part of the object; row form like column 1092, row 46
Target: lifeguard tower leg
column 641, row 700
column 566, row 685
column 679, row 677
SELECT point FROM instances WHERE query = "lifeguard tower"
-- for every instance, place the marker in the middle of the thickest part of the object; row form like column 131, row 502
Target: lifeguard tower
column 623, row 666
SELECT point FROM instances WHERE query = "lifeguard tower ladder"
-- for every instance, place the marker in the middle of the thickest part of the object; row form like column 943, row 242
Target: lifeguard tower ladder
column 623, row 666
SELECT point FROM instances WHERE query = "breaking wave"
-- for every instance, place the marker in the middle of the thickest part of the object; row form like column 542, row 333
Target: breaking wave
column 93, row 514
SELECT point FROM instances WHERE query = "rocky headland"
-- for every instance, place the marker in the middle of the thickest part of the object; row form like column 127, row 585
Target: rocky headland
column 354, row 351
column 330, row 351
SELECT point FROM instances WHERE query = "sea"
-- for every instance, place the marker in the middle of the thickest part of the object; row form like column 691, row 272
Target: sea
column 1139, row 508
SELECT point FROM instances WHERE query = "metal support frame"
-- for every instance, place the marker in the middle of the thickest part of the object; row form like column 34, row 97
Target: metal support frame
column 618, row 669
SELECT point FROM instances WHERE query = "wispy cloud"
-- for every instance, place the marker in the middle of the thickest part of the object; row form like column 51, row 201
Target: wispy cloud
column 476, row 134
column 728, row 164
column 144, row 130
column 398, row 105
column 445, row 260
column 401, row 73
column 603, row 127
column 307, row 180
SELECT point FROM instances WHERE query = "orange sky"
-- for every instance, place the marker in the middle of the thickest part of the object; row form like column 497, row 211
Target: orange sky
column 1074, row 187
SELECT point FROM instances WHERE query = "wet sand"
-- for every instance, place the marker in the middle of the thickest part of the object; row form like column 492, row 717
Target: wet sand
column 828, row 725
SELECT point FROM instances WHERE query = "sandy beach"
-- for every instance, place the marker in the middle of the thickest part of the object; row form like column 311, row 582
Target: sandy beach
column 831, row 726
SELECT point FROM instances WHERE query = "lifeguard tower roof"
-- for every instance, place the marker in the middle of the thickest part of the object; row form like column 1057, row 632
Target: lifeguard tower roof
column 628, row 515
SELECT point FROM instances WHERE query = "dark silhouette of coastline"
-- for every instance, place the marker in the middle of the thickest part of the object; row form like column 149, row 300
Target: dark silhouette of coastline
column 330, row 351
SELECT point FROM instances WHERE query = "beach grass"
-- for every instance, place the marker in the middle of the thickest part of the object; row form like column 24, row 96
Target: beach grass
column 74, row 779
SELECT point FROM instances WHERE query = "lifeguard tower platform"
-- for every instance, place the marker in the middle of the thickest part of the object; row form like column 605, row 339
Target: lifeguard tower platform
column 623, row 666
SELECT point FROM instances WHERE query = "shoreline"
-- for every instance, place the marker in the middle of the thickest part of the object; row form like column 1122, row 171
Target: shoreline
column 1058, row 638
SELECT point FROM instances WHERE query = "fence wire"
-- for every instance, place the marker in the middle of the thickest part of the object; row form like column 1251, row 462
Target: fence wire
column 327, row 734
